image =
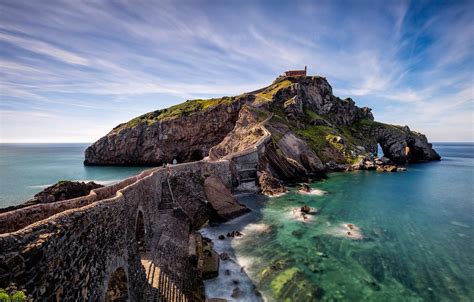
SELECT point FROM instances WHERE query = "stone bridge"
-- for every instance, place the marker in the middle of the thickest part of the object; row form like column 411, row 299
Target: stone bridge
column 126, row 242
column 132, row 241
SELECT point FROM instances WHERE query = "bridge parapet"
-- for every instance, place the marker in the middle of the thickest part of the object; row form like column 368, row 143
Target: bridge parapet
column 73, row 250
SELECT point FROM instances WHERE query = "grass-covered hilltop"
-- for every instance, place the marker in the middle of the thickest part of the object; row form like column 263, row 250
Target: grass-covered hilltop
column 312, row 131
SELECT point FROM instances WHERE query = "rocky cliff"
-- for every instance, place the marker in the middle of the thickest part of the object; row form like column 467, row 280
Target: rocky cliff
column 184, row 132
column 312, row 131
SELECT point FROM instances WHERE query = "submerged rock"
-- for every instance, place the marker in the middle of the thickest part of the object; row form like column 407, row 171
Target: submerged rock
column 234, row 234
column 236, row 293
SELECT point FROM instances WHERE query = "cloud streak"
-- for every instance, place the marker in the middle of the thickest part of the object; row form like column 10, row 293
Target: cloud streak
column 106, row 61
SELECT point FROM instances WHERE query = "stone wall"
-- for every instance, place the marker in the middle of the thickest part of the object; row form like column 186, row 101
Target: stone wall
column 20, row 218
column 68, row 250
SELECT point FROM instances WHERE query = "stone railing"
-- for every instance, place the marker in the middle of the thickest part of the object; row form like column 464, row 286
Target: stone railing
column 72, row 252
column 71, row 249
column 20, row 218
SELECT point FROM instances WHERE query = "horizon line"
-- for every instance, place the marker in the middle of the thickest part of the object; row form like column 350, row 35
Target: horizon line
column 19, row 142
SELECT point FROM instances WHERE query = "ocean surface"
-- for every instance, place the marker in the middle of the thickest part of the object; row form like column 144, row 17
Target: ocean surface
column 411, row 238
column 26, row 169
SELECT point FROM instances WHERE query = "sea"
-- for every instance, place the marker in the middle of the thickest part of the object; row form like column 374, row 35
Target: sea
column 411, row 238
column 411, row 233
column 26, row 169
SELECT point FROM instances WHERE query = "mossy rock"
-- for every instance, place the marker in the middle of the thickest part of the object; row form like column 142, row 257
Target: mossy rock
column 180, row 110
column 279, row 282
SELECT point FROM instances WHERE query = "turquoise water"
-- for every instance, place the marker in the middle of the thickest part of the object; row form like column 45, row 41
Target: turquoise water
column 416, row 228
column 26, row 169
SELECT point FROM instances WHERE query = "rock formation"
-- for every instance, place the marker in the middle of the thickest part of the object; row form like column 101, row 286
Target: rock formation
column 269, row 185
column 312, row 131
column 224, row 205
column 62, row 190
column 184, row 132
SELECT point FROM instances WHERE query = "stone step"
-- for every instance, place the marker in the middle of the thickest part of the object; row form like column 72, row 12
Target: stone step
column 247, row 180
column 247, row 170
column 249, row 166
column 248, row 174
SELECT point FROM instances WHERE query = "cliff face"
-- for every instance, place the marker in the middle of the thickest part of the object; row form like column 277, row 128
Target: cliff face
column 312, row 131
column 155, row 138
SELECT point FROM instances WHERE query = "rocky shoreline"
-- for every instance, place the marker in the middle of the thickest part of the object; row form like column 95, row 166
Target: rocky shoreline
column 62, row 190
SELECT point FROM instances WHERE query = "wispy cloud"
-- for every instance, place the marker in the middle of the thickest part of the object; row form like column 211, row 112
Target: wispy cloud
column 106, row 61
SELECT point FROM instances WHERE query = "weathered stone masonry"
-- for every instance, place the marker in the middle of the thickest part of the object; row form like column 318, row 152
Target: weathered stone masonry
column 72, row 254
column 94, row 248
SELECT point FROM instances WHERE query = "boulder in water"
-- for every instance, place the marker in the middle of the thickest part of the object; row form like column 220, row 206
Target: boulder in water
column 236, row 293
column 270, row 185
column 304, row 188
column 305, row 209
column 224, row 256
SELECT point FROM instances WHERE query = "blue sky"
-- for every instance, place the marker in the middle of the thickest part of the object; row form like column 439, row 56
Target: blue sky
column 72, row 70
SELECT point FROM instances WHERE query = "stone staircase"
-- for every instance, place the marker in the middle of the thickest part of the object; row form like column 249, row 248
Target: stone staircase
column 167, row 204
column 246, row 165
column 161, row 286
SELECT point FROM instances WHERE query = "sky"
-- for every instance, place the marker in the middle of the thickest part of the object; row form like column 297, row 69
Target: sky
column 70, row 71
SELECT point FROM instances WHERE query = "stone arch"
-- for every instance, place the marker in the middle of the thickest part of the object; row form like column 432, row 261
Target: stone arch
column 140, row 231
column 380, row 151
column 117, row 287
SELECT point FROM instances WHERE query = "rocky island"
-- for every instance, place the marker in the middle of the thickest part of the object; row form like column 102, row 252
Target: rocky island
column 311, row 132
column 138, row 240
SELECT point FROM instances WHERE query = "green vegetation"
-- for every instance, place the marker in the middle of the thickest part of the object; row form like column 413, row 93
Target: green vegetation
column 320, row 138
column 315, row 135
column 267, row 94
column 183, row 109
column 311, row 114
column 260, row 114
column 373, row 124
column 12, row 296
column 347, row 132
column 282, row 279
column 276, row 136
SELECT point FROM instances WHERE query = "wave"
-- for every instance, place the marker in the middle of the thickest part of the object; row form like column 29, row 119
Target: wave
column 295, row 213
column 256, row 228
column 277, row 195
column 317, row 192
column 347, row 230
